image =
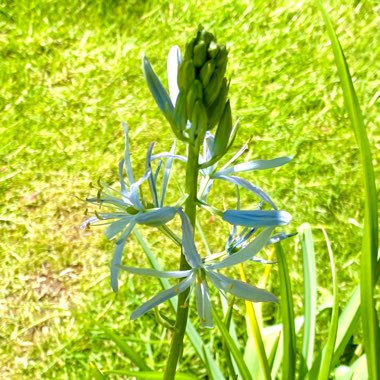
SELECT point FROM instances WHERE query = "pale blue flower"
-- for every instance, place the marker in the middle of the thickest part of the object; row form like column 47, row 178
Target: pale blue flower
column 200, row 273
column 237, row 241
column 128, row 207
column 210, row 172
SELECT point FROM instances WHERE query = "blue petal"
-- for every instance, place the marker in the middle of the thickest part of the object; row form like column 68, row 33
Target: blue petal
column 240, row 289
column 89, row 221
column 168, row 168
column 156, row 217
column 236, row 155
column 108, row 200
column 189, row 249
column 245, row 253
column 156, row 88
column 169, row 155
column 255, row 165
column 163, row 296
column 156, row 273
column 247, row 185
column 115, row 227
column 257, row 218
column 116, row 260
column 135, row 198
column 204, row 304
column 174, row 59
column 263, row 261
column 151, row 181
column 279, row 237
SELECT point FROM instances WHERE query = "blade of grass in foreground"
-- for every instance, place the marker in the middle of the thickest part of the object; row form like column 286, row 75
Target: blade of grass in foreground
column 328, row 353
column 369, row 258
column 96, row 373
column 256, row 333
column 287, row 313
column 126, row 349
column 237, row 355
column 190, row 329
column 310, row 299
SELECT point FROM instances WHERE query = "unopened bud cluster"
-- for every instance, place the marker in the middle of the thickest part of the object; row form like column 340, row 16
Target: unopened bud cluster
column 203, row 87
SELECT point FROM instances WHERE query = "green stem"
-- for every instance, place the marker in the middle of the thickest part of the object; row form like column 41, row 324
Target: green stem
column 176, row 347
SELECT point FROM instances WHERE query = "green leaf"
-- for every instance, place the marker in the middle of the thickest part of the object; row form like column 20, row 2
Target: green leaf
column 298, row 322
column 96, row 373
column 237, row 355
column 287, row 313
column 370, row 265
column 310, row 297
column 328, row 353
column 128, row 351
column 347, row 324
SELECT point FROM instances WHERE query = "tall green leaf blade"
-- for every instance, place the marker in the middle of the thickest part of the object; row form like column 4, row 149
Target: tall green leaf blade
column 310, row 297
column 237, row 355
column 369, row 259
column 287, row 313
column 328, row 353
column 192, row 333
column 279, row 357
column 128, row 351
column 347, row 324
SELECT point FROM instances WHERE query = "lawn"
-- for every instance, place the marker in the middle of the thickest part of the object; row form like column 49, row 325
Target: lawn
column 71, row 72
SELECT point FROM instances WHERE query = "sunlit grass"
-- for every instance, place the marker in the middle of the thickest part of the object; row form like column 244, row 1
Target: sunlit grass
column 70, row 72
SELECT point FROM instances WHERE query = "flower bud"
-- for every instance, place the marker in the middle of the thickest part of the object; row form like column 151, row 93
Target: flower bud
column 186, row 75
column 223, row 131
column 201, row 77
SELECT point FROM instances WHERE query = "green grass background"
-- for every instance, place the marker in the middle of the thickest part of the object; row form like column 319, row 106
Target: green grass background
column 70, row 73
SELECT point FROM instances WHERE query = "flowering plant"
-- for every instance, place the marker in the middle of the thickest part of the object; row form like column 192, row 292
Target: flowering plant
column 199, row 113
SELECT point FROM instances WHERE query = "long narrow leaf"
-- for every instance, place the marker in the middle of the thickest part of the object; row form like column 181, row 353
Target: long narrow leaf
column 96, row 373
column 327, row 356
column 348, row 322
column 128, row 351
column 227, row 353
column 237, row 355
column 369, row 258
column 287, row 313
column 310, row 298
column 256, row 333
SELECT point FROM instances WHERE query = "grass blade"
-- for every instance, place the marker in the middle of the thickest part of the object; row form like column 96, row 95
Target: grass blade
column 287, row 313
column 96, row 373
column 256, row 334
column 237, row 355
column 369, row 258
column 310, row 297
column 227, row 353
column 347, row 324
column 328, row 353
column 129, row 352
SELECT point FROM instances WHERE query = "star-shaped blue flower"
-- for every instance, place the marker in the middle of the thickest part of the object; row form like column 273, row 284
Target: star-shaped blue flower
column 200, row 273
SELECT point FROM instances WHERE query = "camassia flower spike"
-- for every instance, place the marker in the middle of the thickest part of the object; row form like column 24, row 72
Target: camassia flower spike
column 128, row 208
column 200, row 273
